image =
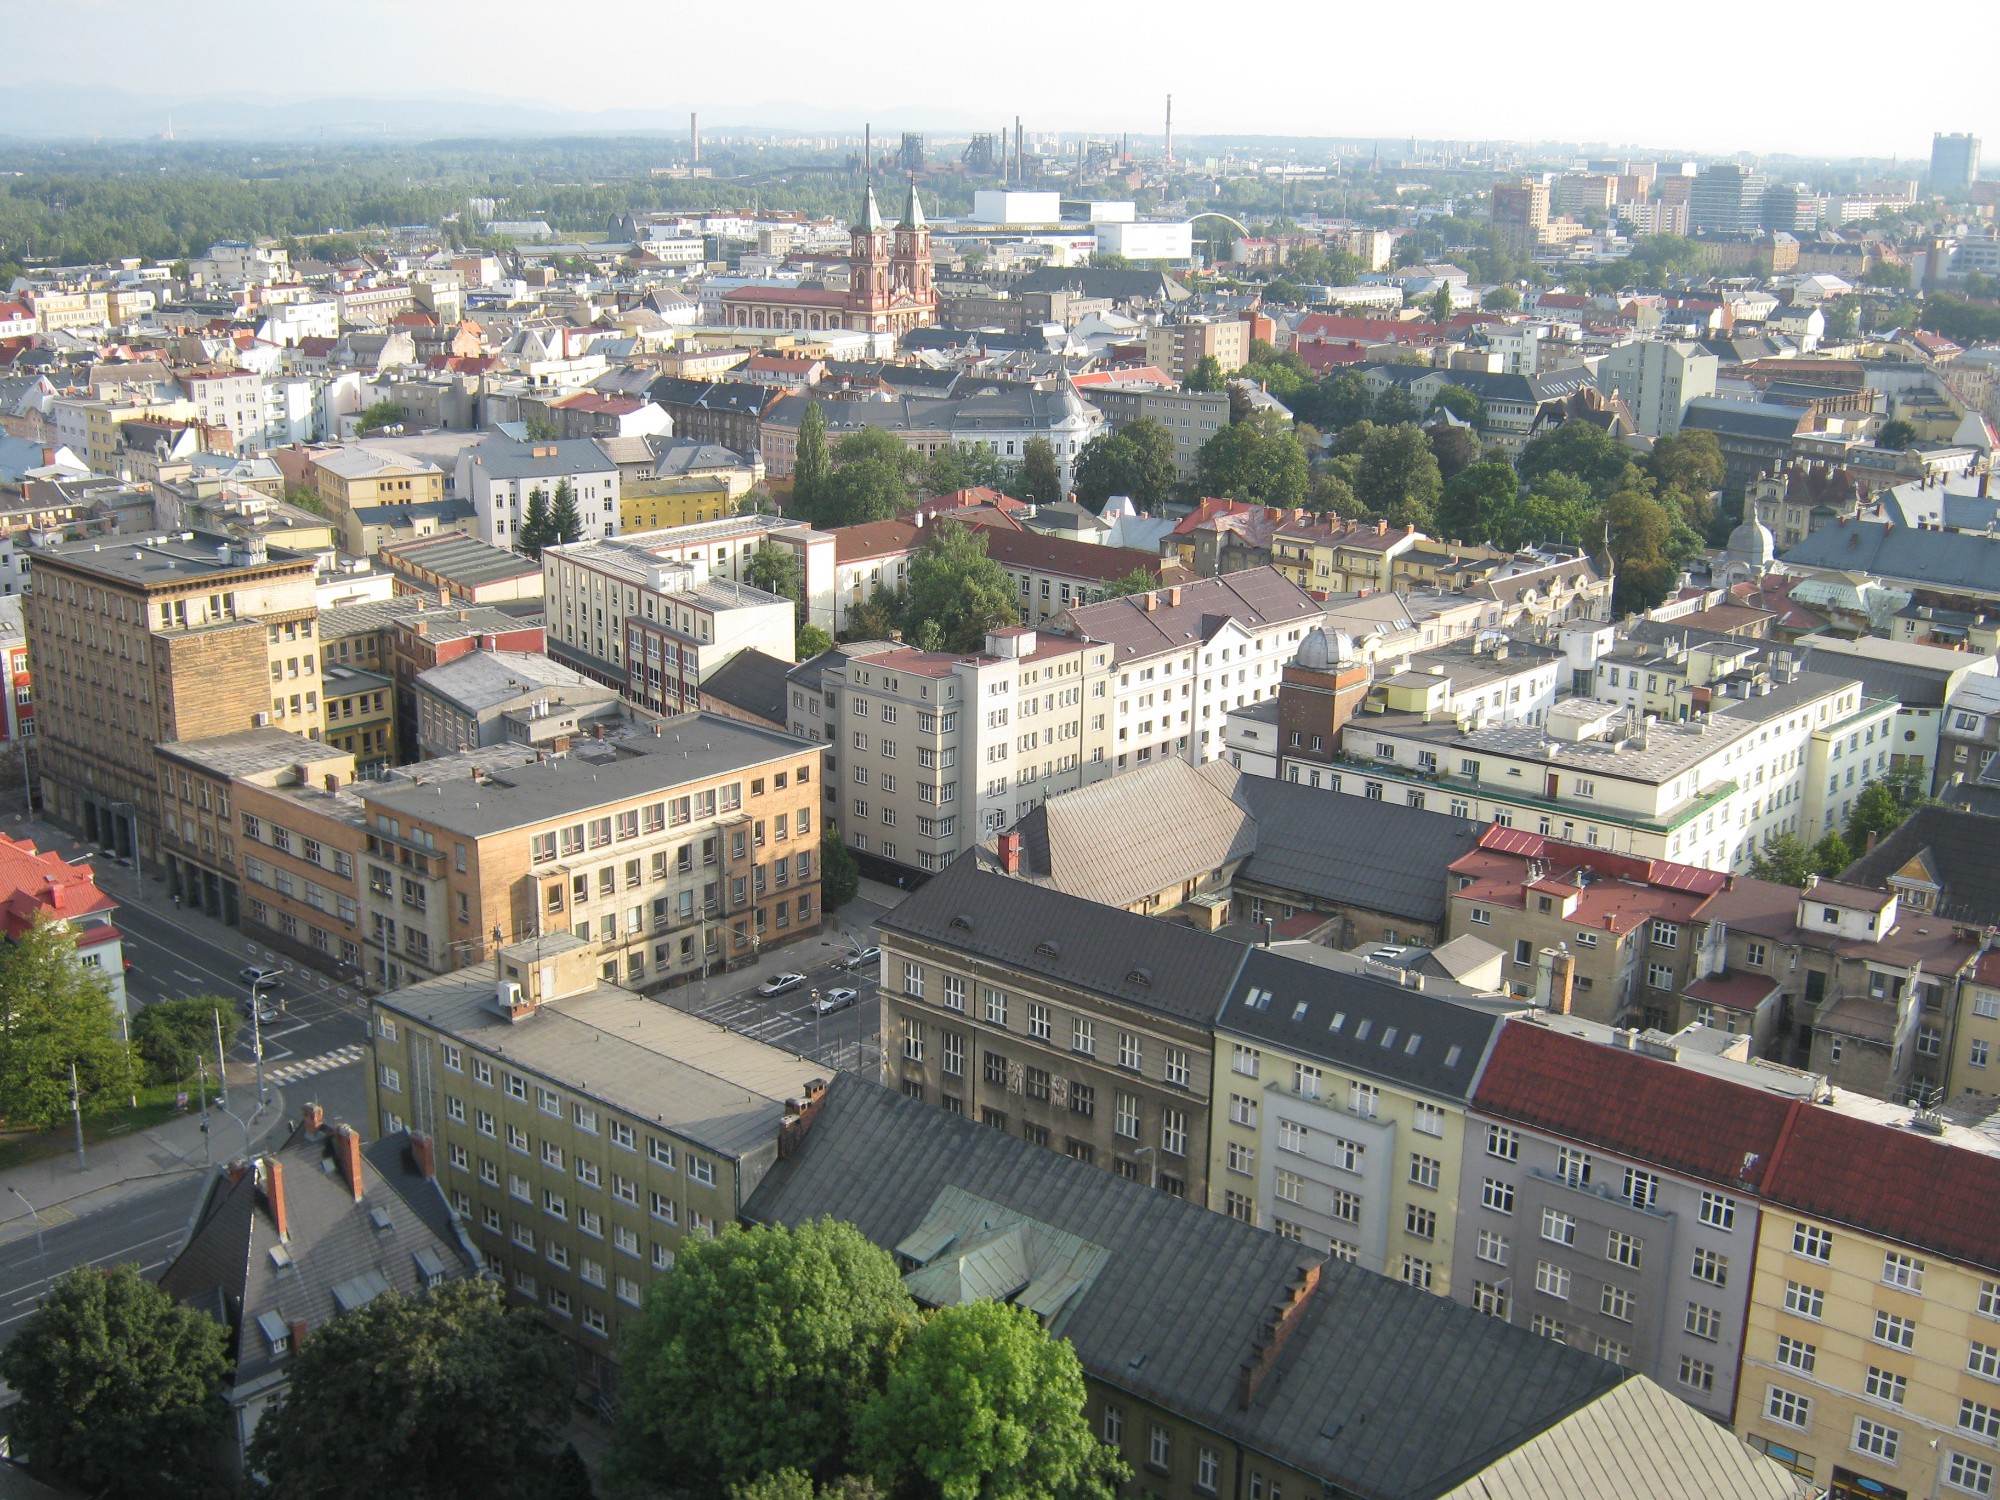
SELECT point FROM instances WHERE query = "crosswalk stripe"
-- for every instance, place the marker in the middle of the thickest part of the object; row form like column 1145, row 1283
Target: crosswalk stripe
column 341, row 1058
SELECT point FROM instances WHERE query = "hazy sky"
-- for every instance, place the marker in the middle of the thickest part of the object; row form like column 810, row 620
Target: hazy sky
column 1836, row 78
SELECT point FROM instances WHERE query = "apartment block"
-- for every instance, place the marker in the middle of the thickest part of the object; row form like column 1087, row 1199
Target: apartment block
column 928, row 752
column 500, row 477
column 1183, row 656
column 1871, row 1364
column 155, row 639
column 1610, row 1196
column 580, row 1132
column 1073, row 1026
column 1178, row 347
column 1190, row 417
column 1345, row 1118
column 655, row 627
column 1711, row 791
column 725, row 547
column 1050, row 574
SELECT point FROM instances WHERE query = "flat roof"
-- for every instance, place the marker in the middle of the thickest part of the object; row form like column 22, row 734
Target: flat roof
column 690, row 747
column 248, row 752
column 162, row 561
column 462, row 559
column 713, row 1086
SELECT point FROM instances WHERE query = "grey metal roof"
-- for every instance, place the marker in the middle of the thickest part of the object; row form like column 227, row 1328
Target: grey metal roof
column 163, row 560
column 1752, row 419
column 1958, row 845
column 461, row 559
column 1382, row 1389
column 687, row 748
column 1134, row 835
column 1255, row 596
column 1939, row 560
column 752, row 681
column 245, row 753
column 1381, row 856
column 480, row 680
column 1362, row 1022
column 502, row 458
column 1137, row 960
column 716, row 1087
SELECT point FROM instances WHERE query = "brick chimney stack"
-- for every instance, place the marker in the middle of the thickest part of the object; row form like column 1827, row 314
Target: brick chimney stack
column 423, row 1150
column 314, row 1118
column 347, row 1152
column 1562, row 981
column 1010, row 853
column 274, row 1195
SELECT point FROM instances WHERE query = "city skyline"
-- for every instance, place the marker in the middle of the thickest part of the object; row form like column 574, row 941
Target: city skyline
column 497, row 53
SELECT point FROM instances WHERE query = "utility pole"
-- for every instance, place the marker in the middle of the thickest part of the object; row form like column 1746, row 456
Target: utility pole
column 201, row 1079
column 221, row 1065
column 76, row 1114
column 257, row 1046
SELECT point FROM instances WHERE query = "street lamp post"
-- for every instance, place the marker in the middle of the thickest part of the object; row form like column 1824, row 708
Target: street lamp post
column 76, row 1114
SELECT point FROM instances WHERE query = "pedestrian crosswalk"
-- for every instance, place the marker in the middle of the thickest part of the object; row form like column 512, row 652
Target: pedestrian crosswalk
column 306, row 1067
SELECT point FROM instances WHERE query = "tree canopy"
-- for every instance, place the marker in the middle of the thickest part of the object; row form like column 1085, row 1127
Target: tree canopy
column 382, row 414
column 870, row 480
column 1041, row 472
column 55, row 1012
column 755, row 1354
column 839, row 875
column 1580, row 448
column 173, row 1036
column 1895, row 434
column 1398, row 477
column 1207, row 375
column 776, row 569
column 451, row 1394
column 982, row 1404
column 955, row 592
column 1789, row 860
column 120, row 1388
column 810, row 464
column 1257, row 459
column 536, row 530
column 565, row 521
column 1136, row 460
column 1881, row 806
column 1688, row 460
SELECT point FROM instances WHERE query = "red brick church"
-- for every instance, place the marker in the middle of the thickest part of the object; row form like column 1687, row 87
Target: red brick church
column 889, row 283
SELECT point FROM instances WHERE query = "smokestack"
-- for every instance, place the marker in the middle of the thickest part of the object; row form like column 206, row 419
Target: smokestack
column 1020, row 155
column 694, row 138
column 274, row 1194
column 347, row 1153
column 1562, row 981
column 1170, row 129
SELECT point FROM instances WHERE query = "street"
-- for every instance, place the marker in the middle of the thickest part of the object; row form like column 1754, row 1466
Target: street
column 145, row 1228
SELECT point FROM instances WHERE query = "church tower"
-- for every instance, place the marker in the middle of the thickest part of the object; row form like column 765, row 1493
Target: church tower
column 868, row 265
column 913, row 256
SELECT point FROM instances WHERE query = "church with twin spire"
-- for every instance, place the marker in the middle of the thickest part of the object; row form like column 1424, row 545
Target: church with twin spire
column 889, row 286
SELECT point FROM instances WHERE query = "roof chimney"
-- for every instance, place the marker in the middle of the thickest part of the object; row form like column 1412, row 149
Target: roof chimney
column 314, row 1119
column 423, row 1150
column 1174, row 596
column 274, row 1195
column 1276, row 1332
column 1562, row 981
column 1010, row 853
column 347, row 1152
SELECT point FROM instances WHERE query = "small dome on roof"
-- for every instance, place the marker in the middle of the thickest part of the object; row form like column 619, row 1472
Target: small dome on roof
column 1753, row 543
column 1322, row 650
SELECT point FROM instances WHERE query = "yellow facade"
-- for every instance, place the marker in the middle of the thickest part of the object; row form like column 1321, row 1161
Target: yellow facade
column 656, row 505
column 1975, row 1050
column 1252, row 1079
column 1869, row 1365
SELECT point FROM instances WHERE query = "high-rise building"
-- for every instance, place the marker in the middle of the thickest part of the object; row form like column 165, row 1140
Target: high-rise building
column 161, row 638
column 1954, row 162
column 1727, row 199
column 1520, row 212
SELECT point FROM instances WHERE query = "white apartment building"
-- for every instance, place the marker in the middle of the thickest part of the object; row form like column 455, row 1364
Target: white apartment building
column 1657, row 380
column 929, row 752
column 725, row 546
column 1767, row 756
column 500, row 477
column 1184, row 656
column 653, row 628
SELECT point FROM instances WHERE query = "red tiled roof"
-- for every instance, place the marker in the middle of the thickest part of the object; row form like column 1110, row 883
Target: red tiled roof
column 1892, row 1182
column 37, row 886
column 1319, row 358
column 874, row 539
column 1061, row 555
column 1737, row 991
column 597, row 401
column 1126, row 375
column 1641, row 1107
column 807, row 296
column 1373, row 330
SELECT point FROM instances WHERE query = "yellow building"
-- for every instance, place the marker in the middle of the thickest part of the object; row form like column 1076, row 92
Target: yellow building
column 1339, row 1102
column 355, row 478
column 652, row 505
column 361, row 714
column 1872, row 1358
column 1975, row 1051
column 1328, row 555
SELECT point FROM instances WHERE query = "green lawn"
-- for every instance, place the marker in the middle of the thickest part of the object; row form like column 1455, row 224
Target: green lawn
column 156, row 1105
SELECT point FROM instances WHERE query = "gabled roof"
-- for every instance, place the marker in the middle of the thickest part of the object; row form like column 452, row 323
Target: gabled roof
column 1019, row 925
column 1957, row 845
column 752, row 682
column 1894, row 1182
column 1643, row 1108
column 1179, row 617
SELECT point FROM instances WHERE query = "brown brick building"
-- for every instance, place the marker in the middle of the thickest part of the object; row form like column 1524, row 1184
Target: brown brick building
column 155, row 639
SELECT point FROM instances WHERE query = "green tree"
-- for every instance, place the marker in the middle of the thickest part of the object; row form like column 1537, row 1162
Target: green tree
column 810, row 465
column 1259, row 459
column 1689, row 460
column 1468, row 406
column 1784, row 860
column 1398, row 478
column 1831, row 855
column 755, row 1355
column 1455, row 449
column 1207, row 375
column 1641, row 543
column 536, row 530
column 954, row 586
column 540, row 428
column 775, row 568
column 1438, row 305
column 1138, row 581
column 1543, row 517
column 877, row 618
column 54, row 1013
column 811, row 640
column 1882, row 805
column 1343, row 399
column 565, row 523
column 1580, row 448
column 382, row 414
column 1041, row 472
column 1136, row 460
column 1843, row 317
column 451, row 1394
column 792, row 1484
column 1331, row 493
column 839, row 875
column 962, row 466
column 983, row 1405
column 1895, row 434
column 1395, row 404
column 1501, row 299
column 173, row 1035
column 870, row 480
column 120, row 1388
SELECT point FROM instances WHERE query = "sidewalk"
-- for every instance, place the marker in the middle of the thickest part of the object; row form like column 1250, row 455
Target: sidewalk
column 126, row 1164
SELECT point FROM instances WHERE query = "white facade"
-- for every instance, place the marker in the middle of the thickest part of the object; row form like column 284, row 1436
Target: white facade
column 1000, row 206
column 1657, row 381
column 500, row 491
column 1148, row 241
